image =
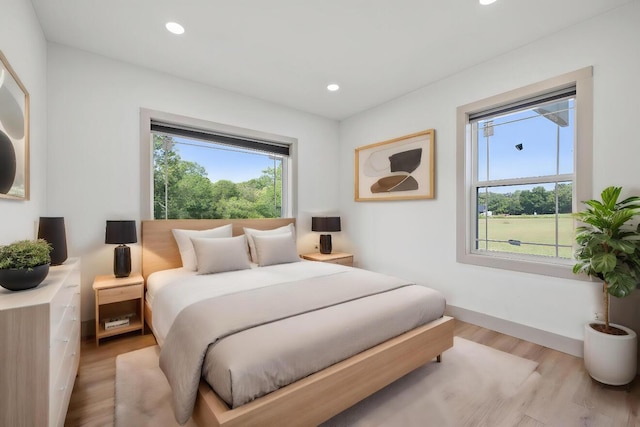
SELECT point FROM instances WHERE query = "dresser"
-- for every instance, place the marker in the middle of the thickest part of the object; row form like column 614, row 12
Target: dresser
column 40, row 349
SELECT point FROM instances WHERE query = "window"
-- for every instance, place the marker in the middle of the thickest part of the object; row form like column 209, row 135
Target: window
column 197, row 170
column 524, row 160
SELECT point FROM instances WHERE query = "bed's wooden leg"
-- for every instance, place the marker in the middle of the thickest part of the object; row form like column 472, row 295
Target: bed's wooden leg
column 439, row 358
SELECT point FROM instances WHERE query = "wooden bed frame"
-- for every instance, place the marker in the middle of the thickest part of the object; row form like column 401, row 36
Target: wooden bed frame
column 318, row 397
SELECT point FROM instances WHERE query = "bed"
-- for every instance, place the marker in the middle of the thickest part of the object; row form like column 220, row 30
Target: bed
column 318, row 396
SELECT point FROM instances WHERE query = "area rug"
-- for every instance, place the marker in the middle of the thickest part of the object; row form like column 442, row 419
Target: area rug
column 474, row 385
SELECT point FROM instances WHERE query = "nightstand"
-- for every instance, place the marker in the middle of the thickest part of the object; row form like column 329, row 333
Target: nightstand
column 333, row 258
column 118, row 300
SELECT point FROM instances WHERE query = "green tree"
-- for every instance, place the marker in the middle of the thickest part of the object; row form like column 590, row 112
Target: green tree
column 536, row 201
column 269, row 197
column 497, row 203
column 224, row 189
column 513, row 205
column 565, row 198
column 193, row 197
column 181, row 188
column 237, row 208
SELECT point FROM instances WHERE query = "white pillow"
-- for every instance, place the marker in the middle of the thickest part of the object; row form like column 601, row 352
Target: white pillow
column 221, row 254
column 276, row 249
column 183, row 239
column 251, row 232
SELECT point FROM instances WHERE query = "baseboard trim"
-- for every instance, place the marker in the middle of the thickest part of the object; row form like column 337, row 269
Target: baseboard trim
column 561, row 343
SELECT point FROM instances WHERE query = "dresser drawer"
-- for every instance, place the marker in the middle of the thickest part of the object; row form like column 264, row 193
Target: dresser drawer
column 122, row 293
column 63, row 335
column 62, row 381
column 61, row 302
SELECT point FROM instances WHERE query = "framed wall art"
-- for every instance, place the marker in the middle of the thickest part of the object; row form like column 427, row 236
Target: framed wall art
column 398, row 169
column 14, row 134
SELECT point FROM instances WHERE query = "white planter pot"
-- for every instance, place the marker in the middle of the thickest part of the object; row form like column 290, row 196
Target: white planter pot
column 610, row 359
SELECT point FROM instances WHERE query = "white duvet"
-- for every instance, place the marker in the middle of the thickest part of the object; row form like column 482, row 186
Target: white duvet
column 170, row 291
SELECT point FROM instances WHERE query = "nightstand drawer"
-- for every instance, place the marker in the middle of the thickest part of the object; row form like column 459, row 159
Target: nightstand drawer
column 121, row 293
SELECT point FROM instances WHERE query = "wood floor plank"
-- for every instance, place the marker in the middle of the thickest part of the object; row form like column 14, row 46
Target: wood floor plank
column 564, row 394
column 92, row 400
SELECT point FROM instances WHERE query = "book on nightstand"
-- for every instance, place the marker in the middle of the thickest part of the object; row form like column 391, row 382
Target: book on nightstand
column 111, row 324
column 117, row 322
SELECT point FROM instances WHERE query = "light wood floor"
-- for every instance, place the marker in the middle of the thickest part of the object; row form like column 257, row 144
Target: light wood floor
column 566, row 396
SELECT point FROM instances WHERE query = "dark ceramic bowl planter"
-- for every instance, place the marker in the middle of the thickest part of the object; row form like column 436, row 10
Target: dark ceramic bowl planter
column 19, row 279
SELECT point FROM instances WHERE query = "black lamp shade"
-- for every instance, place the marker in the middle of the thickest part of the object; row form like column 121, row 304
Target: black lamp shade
column 52, row 230
column 325, row 224
column 119, row 233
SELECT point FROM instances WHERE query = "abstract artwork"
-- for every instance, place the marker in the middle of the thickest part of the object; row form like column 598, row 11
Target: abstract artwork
column 398, row 169
column 14, row 134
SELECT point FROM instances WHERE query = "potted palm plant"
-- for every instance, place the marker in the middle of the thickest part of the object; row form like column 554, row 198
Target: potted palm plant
column 609, row 250
column 24, row 264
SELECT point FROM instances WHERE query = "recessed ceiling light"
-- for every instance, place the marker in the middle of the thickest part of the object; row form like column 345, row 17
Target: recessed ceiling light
column 333, row 87
column 174, row 27
column 486, row 2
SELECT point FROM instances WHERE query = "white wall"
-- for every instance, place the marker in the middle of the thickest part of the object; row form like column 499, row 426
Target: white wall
column 416, row 239
column 24, row 46
column 94, row 155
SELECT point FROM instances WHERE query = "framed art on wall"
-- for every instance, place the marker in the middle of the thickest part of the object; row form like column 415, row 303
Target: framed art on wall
column 14, row 134
column 398, row 169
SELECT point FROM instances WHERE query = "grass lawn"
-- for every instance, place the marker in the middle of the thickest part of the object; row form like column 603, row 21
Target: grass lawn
column 527, row 229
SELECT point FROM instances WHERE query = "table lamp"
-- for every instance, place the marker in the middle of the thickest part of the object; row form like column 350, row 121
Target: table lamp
column 119, row 233
column 325, row 224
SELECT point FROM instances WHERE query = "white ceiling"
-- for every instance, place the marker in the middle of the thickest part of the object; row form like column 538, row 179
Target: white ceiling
column 287, row 51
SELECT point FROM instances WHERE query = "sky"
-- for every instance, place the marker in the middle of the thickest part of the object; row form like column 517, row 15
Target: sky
column 228, row 163
column 537, row 154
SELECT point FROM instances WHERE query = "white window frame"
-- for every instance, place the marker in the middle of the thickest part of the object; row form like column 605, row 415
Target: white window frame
column 582, row 185
column 289, row 180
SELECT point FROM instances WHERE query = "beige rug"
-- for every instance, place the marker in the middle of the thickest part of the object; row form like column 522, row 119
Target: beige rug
column 474, row 385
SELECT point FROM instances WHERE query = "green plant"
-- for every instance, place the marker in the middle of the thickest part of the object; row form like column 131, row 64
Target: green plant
column 25, row 254
column 608, row 245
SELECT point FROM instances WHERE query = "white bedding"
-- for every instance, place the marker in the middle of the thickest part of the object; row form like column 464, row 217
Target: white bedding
column 170, row 291
column 250, row 332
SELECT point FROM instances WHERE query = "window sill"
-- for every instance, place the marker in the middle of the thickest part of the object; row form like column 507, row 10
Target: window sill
column 534, row 265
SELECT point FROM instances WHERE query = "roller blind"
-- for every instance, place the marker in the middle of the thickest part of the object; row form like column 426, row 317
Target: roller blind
column 269, row 147
column 556, row 95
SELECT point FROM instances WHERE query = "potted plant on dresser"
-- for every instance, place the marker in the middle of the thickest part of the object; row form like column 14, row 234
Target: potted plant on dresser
column 609, row 250
column 24, row 264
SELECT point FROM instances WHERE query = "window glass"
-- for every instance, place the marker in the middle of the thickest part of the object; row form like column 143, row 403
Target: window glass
column 202, row 179
column 525, row 178
column 526, row 219
column 534, row 142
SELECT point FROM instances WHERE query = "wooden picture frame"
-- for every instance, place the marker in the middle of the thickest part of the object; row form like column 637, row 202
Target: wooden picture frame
column 14, row 134
column 398, row 169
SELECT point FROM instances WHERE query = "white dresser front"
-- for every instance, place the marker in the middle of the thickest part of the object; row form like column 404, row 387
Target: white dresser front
column 42, row 327
column 64, row 346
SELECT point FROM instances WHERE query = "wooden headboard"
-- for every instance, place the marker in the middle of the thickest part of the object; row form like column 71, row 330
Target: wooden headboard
column 159, row 248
